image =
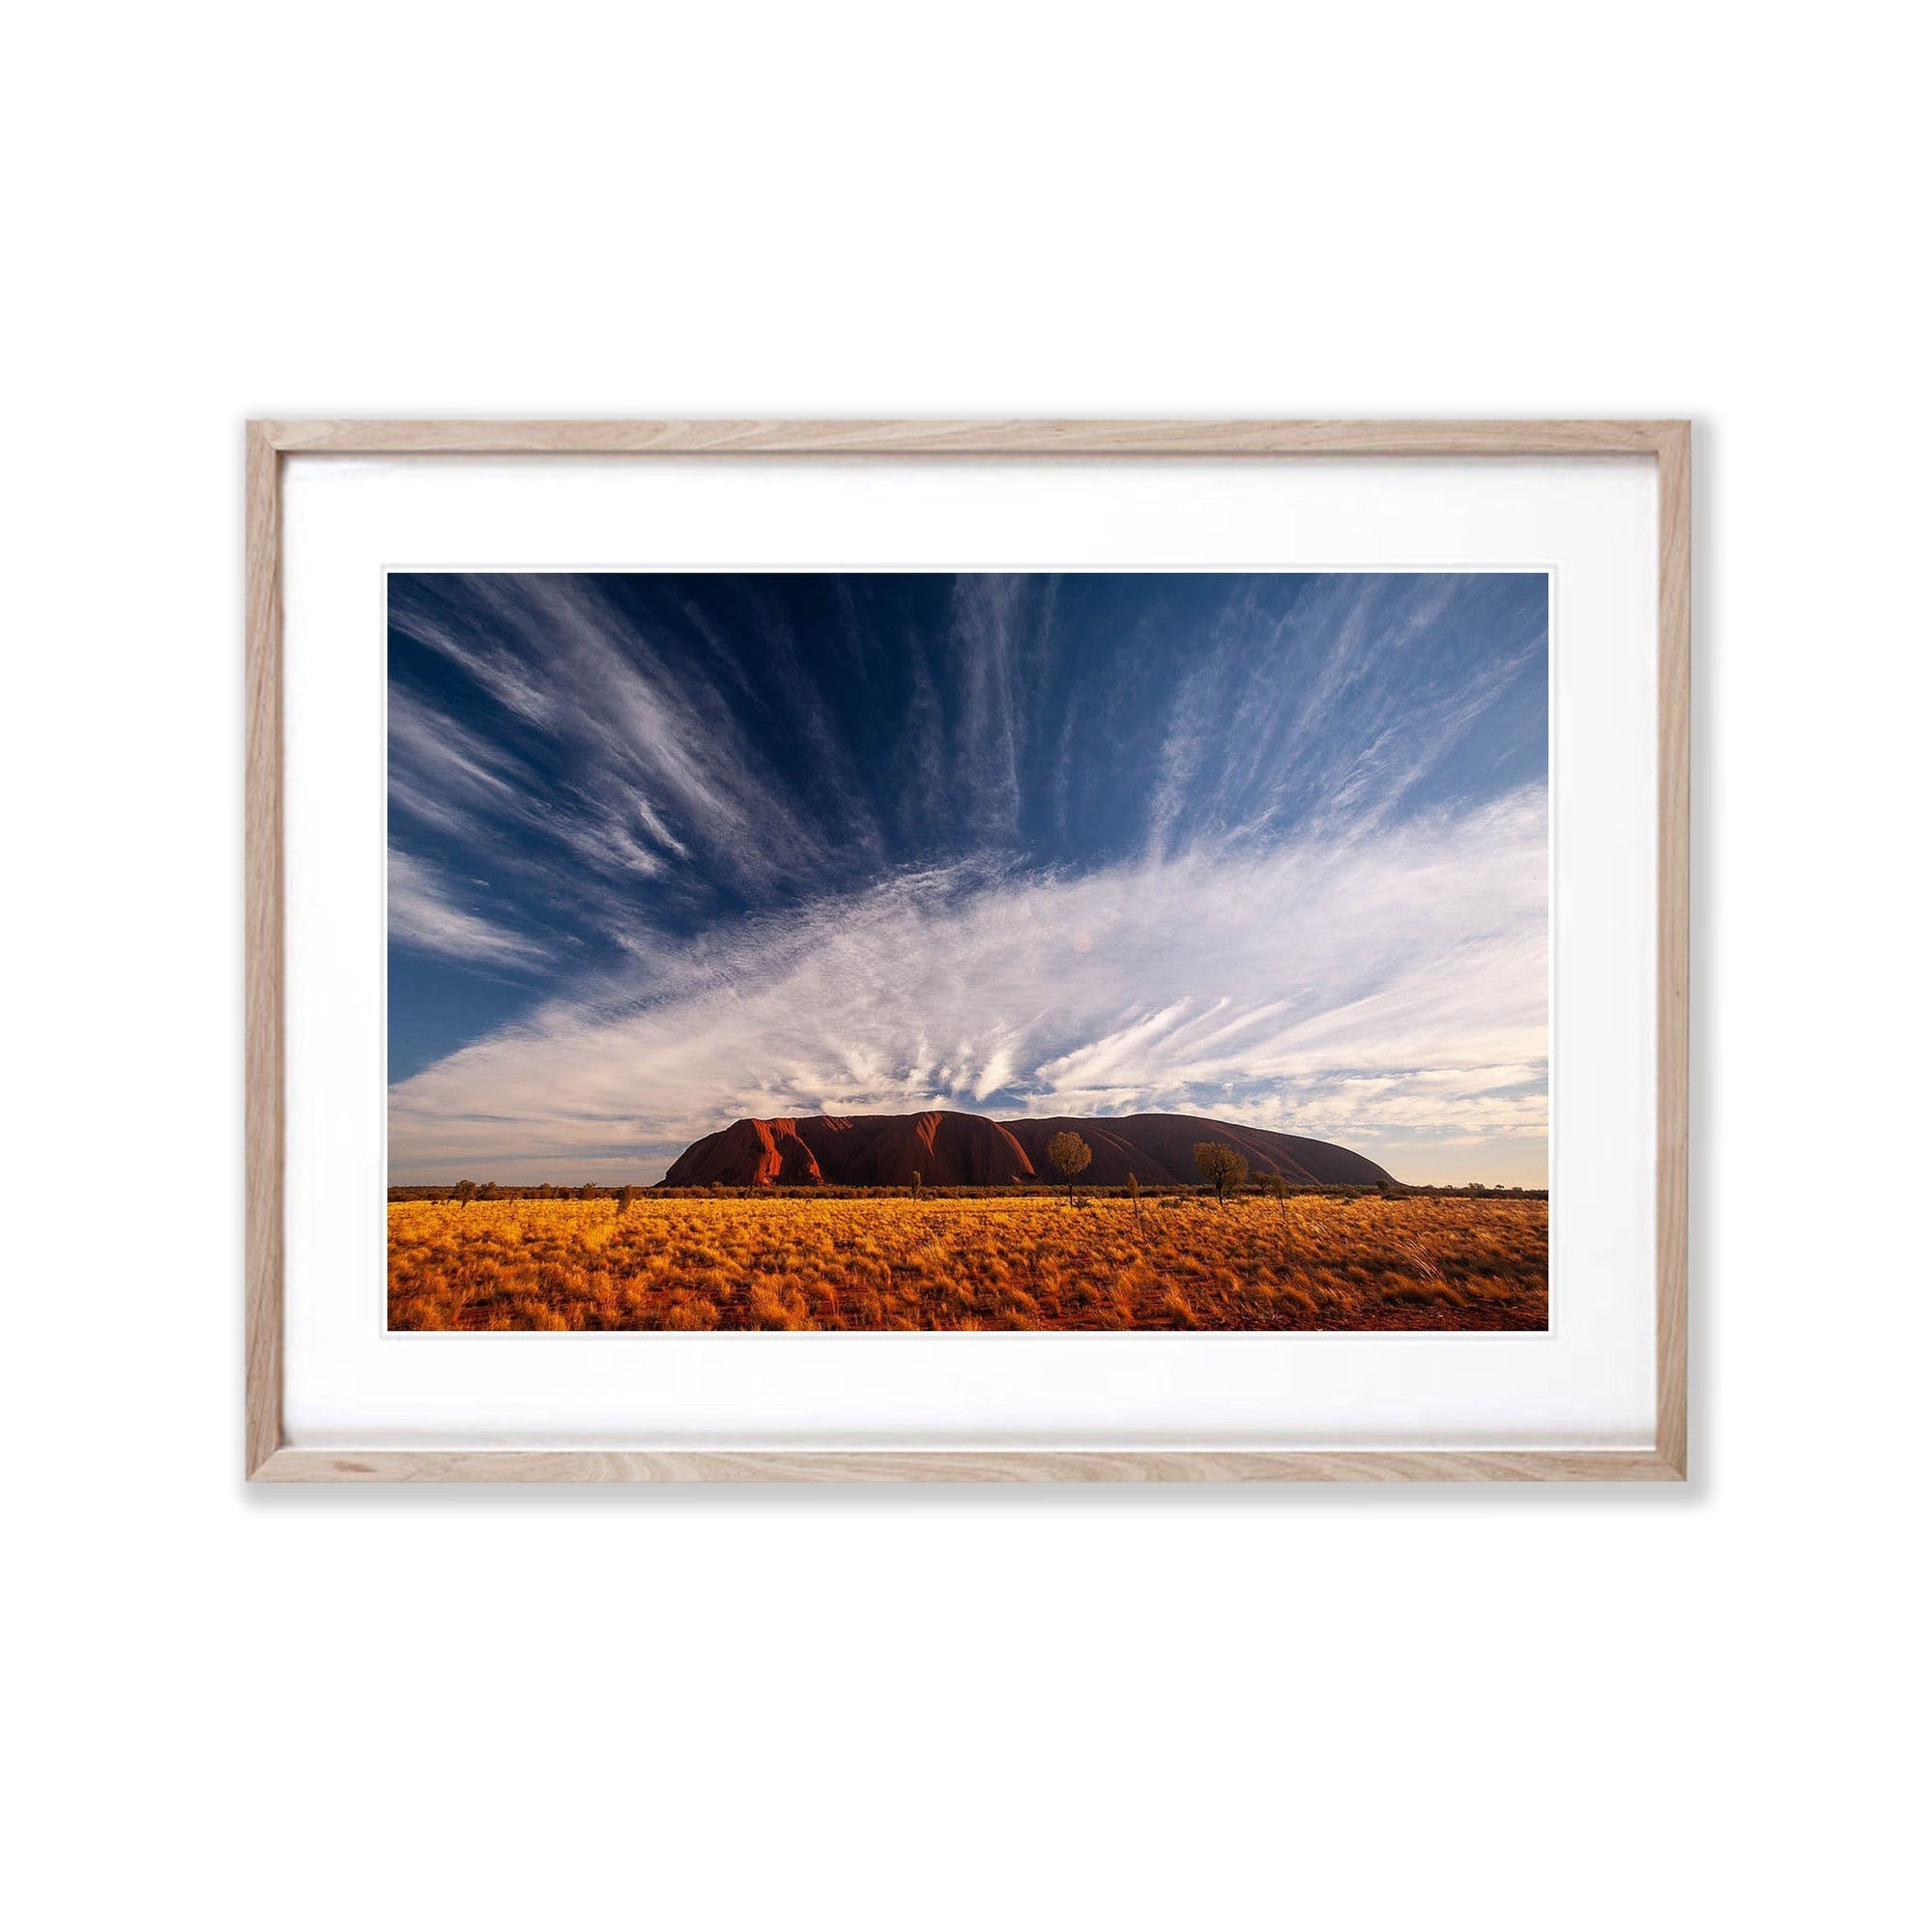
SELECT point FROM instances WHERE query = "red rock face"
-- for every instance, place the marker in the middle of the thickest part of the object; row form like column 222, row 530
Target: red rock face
column 944, row 1149
column 947, row 1149
column 746, row 1154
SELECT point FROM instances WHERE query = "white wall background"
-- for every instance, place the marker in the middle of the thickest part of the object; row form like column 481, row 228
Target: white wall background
column 1338, row 1709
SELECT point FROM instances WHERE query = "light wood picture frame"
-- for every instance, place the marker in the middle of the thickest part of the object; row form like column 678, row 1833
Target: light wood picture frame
column 271, row 1457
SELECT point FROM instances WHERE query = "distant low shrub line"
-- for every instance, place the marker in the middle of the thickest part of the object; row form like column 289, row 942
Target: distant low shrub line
column 1269, row 1186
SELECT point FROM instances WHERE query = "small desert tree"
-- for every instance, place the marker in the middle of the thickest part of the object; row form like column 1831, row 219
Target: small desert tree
column 1275, row 1185
column 627, row 1198
column 466, row 1191
column 918, row 1181
column 1069, row 1154
column 1133, row 1194
column 1221, row 1166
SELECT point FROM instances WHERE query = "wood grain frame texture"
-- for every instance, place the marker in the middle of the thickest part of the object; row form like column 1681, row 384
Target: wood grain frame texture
column 269, row 1459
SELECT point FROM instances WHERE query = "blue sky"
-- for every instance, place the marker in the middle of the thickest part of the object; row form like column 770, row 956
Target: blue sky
column 668, row 850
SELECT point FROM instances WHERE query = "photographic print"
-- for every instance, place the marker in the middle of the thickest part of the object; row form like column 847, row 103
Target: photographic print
column 959, row 951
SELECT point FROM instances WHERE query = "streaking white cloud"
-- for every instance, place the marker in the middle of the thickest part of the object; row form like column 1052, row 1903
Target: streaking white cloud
column 1385, row 989
column 424, row 918
column 658, row 761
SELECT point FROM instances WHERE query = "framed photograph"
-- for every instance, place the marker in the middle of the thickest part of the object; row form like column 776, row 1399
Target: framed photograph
column 1025, row 951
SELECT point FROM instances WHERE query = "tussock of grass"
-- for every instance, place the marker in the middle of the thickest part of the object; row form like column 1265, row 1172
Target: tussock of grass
column 797, row 1262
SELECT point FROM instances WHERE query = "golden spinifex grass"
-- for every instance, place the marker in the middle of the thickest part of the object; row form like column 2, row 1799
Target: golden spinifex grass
column 802, row 1262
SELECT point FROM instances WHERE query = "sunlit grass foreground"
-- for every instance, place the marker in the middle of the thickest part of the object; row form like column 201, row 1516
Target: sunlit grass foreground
column 793, row 1261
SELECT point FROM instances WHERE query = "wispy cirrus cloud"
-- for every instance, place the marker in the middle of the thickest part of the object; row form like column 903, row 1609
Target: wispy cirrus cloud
column 613, row 749
column 1387, row 991
column 1335, row 710
column 426, row 917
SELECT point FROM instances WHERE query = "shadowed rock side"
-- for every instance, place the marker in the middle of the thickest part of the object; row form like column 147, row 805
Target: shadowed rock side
column 948, row 1149
column 1159, row 1147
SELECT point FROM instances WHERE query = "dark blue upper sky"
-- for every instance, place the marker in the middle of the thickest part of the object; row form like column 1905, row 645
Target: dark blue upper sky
column 600, row 783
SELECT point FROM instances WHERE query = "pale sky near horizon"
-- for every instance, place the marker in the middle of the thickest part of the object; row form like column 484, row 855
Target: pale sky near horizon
column 666, row 851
